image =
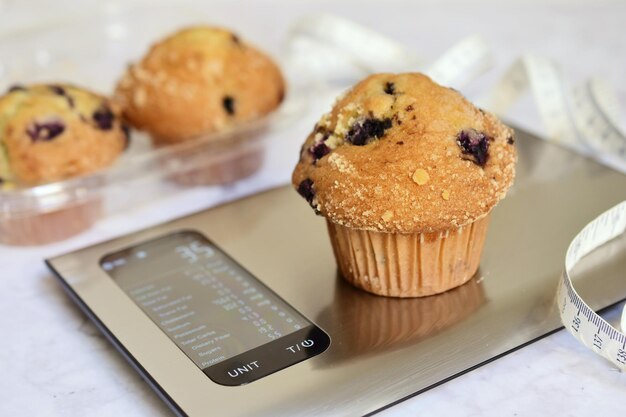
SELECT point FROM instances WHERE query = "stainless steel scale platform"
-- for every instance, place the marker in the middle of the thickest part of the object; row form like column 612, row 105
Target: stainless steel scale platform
column 382, row 350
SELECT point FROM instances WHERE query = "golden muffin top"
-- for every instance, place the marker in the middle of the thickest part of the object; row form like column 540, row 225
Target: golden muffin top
column 399, row 153
column 196, row 81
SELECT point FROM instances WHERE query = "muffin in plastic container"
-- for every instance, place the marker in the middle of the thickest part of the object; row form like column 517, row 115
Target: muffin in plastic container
column 50, row 133
column 204, row 83
column 94, row 51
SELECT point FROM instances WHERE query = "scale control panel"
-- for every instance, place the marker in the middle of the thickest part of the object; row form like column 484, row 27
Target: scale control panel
column 230, row 324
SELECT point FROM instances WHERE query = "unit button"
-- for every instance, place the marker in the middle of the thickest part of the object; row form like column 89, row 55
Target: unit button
column 244, row 369
column 240, row 371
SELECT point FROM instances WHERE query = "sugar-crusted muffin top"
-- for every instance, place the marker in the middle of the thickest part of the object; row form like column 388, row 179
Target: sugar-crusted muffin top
column 50, row 132
column 199, row 80
column 399, row 153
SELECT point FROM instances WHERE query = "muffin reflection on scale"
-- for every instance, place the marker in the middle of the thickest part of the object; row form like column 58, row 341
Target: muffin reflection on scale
column 199, row 82
column 372, row 324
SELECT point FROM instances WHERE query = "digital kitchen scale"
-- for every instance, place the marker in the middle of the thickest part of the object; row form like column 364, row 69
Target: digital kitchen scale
column 239, row 310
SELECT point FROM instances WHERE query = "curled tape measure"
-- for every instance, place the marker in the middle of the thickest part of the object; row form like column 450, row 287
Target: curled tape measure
column 584, row 118
column 330, row 49
column 577, row 317
column 323, row 44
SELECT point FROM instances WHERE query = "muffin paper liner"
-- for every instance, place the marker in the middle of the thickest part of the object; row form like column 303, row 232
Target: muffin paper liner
column 408, row 265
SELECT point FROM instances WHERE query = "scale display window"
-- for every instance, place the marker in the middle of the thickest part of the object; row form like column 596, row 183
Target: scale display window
column 230, row 324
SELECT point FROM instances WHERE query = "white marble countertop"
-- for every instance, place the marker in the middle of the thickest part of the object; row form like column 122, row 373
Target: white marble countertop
column 55, row 363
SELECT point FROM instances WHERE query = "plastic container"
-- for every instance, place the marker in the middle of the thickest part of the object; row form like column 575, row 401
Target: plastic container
column 93, row 52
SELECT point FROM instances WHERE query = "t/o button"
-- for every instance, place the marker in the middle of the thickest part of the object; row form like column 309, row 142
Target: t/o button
column 307, row 343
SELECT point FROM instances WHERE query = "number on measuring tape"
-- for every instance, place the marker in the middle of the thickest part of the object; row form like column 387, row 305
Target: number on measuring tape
column 576, row 324
column 597, row 341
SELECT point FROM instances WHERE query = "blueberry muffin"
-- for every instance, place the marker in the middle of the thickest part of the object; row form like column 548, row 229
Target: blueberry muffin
column 50, row 133
column 197, row 81
column 406, row 173
column 53, row 132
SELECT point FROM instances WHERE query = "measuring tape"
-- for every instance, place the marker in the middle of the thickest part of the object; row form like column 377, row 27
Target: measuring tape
column 331, row 50
column 584, row 118
column 577, row 317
